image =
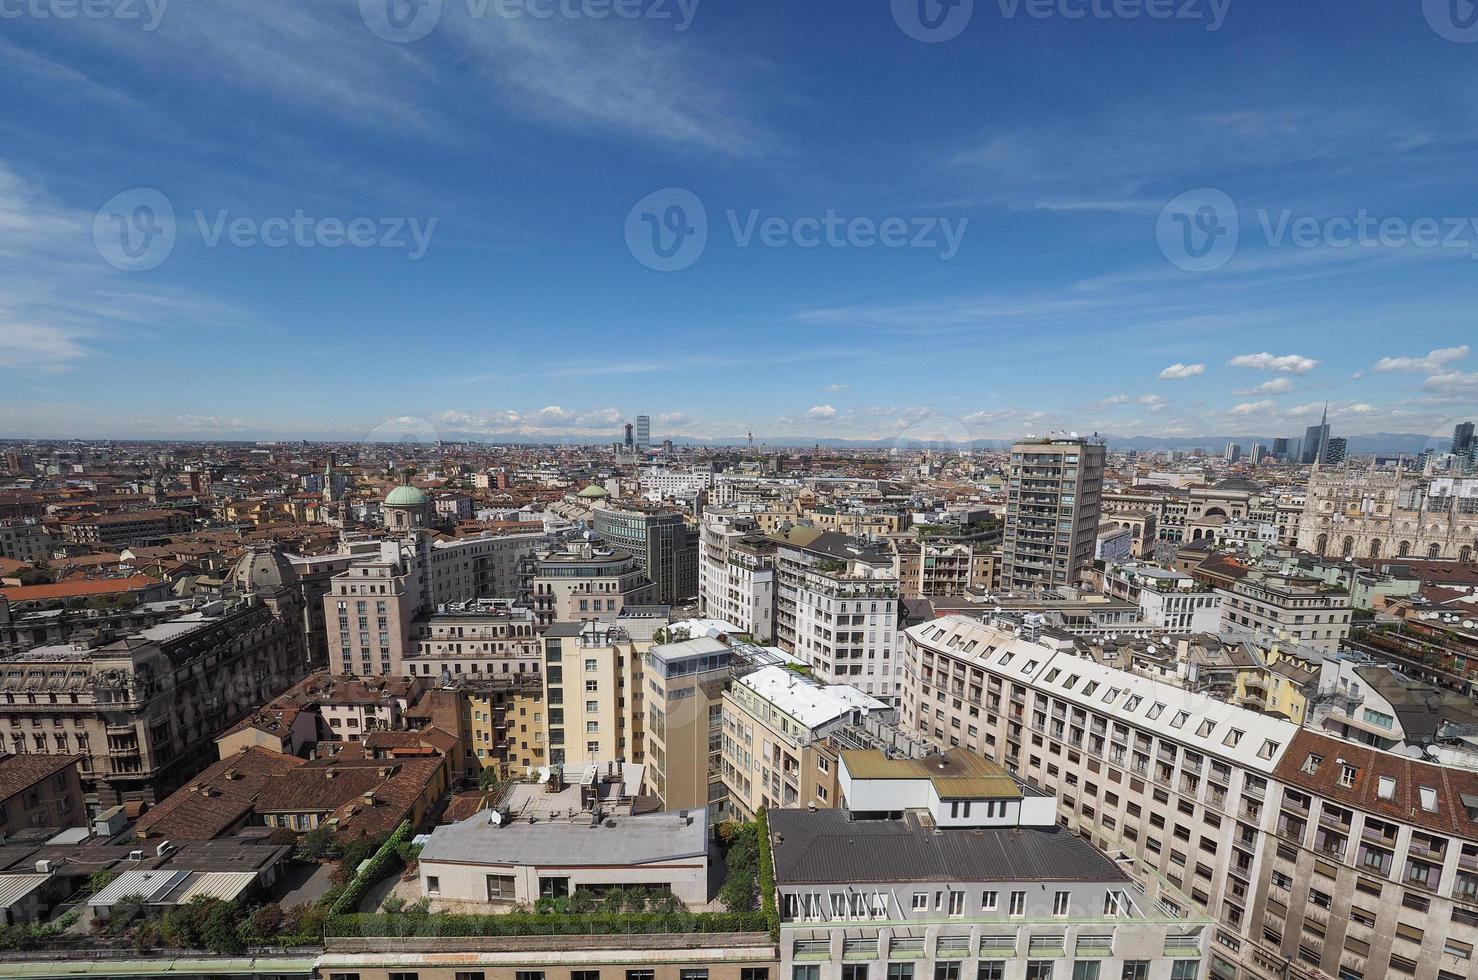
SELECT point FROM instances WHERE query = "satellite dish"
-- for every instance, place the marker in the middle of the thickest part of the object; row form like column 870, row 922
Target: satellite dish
column 543, row 774
column 495, row 818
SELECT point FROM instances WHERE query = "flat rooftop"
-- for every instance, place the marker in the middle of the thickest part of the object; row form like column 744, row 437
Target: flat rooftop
column 829, row 847
column 956, row 773
column 611, row 842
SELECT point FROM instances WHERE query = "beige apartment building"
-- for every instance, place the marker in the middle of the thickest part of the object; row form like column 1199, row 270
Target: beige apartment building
column 736, row 574
column 503, row 715
column 589, row 583
column 1315, row 857
column 931, row 567
column 596, row 710
column 1295, row 607
column 475, row 637
column 776, row 751
column 684, row 689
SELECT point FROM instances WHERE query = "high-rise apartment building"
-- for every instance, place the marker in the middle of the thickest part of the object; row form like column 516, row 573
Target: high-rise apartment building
column 684, row 691
column 593, row 692
column 1336, row 449
column 736, row 574
column 1052, row 512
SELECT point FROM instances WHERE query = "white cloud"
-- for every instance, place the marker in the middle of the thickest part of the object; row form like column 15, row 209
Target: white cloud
column 1453, row 383
column 1277, row 386
column 1252, row 408
column 838, row 386
column 821, row 412
column 1153, row 402
column 1178, row 371
column 1283, row 364
column 1432, row 363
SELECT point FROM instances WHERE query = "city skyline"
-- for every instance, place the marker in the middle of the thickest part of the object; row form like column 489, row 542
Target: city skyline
column 1045, row 222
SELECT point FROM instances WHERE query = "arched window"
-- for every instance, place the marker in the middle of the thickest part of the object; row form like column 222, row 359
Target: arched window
column 1403, row 549
column 1375, row 548
column 1322, row 544
column 1434, row 551
column 1348, row 549
column 1465, row 554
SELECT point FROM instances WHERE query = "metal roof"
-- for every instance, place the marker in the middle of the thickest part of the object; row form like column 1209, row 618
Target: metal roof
column 13, row 888
column 828, row 847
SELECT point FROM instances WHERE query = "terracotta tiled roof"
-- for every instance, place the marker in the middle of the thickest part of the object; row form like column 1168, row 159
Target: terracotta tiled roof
column 211, row 803
column 1409, row 775
column 69, row 590
column 18, row 772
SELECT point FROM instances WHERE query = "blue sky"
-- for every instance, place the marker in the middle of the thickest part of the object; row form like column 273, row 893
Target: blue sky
column 1050, row 145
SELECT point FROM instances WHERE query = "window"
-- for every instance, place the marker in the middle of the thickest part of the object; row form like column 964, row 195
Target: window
column 808, row 971
column 1018, row 904
column 1184, row 969
column 500, row 888
column 1136, row 970
column 991, row 970
column 1086, row 970
column 462, row 975
column 528, row 975
column 947, row 971
column 433, row 885
column 1060, row 903
column 956, row 903
column 584, row 975
column 695, row 973
column 921, row 901
column 343, row 976
column 988, row 901
column 405, row 976
column 854, row 971
column 1038, row 970
column 900, row 971
column 747, row 973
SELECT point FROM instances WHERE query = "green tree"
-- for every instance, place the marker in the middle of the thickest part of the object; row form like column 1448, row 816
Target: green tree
column 220, row 930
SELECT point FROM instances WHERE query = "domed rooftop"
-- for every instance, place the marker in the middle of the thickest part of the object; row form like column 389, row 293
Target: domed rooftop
column 406, row 495
column 593, row 492
column 263, row 569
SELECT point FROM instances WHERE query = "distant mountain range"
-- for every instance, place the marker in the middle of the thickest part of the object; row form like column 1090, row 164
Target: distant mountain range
column 1380, row 443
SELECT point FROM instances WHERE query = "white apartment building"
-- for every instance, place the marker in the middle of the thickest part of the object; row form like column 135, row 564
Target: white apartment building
column 836, row 608
column 1316, row 857
column 736, row 575
column 1172, row 601
column 659, row 483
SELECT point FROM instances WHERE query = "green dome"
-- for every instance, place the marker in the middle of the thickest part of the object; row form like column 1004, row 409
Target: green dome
column 406, row 496
column 593, row 491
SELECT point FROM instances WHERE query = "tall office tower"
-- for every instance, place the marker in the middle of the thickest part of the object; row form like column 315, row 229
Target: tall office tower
column 1280, row 449
column 1258, row 454
column 630, row 440
column 643, row 433
column 1051, row 511
column 661, row 542
column 1462, row 438
column 1316, row 439
column 1234, row 452
column 1334, row 449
